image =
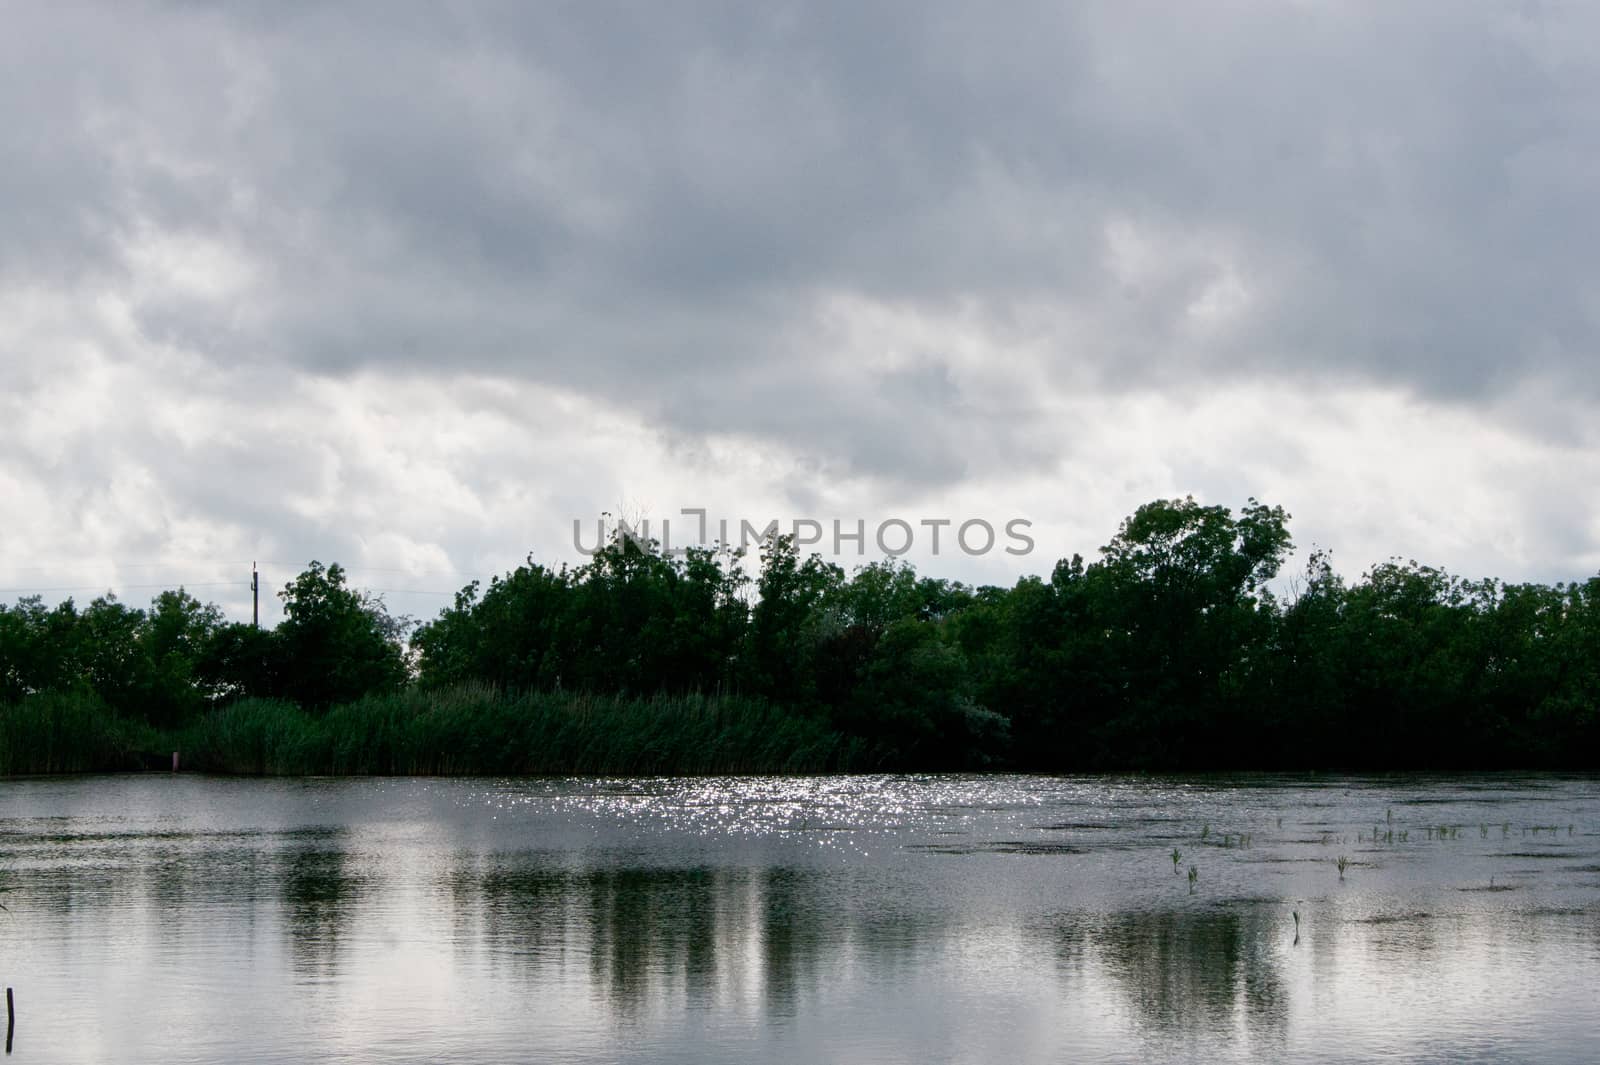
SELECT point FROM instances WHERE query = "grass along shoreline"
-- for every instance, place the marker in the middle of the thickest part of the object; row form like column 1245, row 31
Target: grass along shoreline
column 475, row 730
column 466, row 731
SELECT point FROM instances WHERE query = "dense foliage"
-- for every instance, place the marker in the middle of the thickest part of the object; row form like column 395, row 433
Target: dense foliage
column 1169, row 651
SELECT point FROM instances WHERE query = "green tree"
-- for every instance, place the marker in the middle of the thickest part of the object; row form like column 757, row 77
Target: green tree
column 115, row 665
column 40, row 648
column 915, row 702
column 794, row 615
column 239, row 660
column 178, row 630
column 336, row 643
column 1180, row 598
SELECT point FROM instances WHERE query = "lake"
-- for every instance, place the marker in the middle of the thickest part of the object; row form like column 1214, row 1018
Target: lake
column 906, row 919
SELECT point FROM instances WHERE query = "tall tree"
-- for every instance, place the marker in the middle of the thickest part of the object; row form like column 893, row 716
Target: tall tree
column 337, row 644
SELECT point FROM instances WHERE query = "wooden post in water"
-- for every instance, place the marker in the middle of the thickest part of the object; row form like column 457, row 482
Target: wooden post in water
column 174, row 761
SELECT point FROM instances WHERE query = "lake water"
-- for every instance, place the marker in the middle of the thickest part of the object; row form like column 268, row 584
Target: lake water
column 848, row 919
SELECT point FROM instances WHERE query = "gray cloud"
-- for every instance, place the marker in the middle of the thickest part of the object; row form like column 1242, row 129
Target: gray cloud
column 508, row 186
column 663, row 208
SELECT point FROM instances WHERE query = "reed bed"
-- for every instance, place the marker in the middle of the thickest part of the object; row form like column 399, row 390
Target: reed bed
column 67, row 732
column 475, row 730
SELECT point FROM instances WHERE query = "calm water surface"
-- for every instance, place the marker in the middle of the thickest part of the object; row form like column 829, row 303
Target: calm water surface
column 861, row 919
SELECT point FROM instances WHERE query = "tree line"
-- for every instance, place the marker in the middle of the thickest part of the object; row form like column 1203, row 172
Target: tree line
column 1171, row 650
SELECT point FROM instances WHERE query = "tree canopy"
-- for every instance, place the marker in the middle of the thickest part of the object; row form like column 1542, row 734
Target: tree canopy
column 1169, row 650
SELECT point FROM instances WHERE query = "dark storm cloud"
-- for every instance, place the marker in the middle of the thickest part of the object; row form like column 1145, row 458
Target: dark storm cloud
column 652, row 203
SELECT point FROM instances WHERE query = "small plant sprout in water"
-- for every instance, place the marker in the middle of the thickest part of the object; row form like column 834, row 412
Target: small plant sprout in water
column 1194, row 874
column 1205, row 830
column 1177, row 856
column 1343, row 863
column 1483, row 831
column 1296, row 915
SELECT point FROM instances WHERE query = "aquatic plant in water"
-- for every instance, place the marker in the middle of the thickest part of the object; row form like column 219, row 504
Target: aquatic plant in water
column 1343, row 862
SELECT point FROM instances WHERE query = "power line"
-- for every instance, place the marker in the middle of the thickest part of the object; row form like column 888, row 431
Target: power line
column 197, row 584
column 223, row 563
column 409, row 591
column 113, row 587
column 128, row 587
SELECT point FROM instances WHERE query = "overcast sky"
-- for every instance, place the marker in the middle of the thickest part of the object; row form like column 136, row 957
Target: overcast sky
column 413, row 287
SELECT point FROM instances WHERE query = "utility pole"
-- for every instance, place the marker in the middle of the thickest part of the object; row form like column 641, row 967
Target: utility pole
column 255, row 596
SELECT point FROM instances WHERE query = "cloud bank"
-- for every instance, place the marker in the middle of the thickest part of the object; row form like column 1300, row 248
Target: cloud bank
column 415, row 286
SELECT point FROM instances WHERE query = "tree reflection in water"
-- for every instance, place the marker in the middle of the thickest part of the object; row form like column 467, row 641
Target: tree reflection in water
column 1184, row 971
column 321, row 895
column 713, row 936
